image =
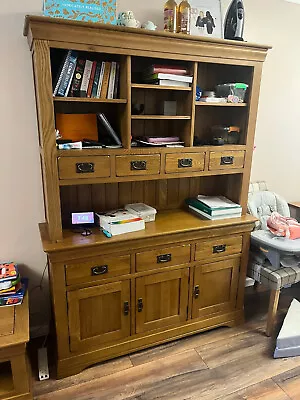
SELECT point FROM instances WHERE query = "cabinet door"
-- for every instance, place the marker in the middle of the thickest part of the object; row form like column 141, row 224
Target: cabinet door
column 161, row 300
column 98, row 315
column 215, row 287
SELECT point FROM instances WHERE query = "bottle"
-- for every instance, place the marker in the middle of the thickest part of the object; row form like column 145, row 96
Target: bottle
column 170, row 16
column 184, row 18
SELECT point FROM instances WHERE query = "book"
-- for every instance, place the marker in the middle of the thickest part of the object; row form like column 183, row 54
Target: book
column 213, row 212
column 166, row 82
column 213, row 218
column 166, row 69
column 100, row 79
column 112, row 80
column 172, row 77
column 96, row 80
column 77, row 78
column 68, row 75
column 120, row 221
column 15, row 299
column 217, row 202
column 105, row 81
column 86, row 78
column 61, row 72
column 109, row 128
column 91, row 80
column 117, row 81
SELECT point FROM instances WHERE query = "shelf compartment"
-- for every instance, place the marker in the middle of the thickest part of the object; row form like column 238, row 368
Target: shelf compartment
column 89, row 100
column 200, row 103
column 162, row 117
column 149, row 86
column 6, row 380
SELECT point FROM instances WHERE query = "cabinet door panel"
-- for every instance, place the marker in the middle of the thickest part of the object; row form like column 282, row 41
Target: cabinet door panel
column 161, row 300
column 215, row 287
column 99, row 314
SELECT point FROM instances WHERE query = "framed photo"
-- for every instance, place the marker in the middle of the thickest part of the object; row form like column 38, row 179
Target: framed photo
column 206, row 18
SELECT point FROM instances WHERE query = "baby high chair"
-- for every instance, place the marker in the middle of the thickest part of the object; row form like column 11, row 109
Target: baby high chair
column 274, row 261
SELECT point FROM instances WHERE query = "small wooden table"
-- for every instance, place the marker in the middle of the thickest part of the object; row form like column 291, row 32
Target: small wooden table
column 15, row 374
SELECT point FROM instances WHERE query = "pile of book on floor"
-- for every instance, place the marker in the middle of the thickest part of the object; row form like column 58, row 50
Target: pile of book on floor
column 80, row 77
column 167, row 75
column 12, row 287
column 214, row 207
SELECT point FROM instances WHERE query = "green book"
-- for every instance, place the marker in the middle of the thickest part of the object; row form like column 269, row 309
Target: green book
column 213, row 212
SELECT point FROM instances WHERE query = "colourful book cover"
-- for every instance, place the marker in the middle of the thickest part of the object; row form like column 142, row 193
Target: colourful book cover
column 103, row 11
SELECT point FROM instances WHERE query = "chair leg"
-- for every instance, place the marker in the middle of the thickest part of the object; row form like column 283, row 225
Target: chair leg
column 273, row 305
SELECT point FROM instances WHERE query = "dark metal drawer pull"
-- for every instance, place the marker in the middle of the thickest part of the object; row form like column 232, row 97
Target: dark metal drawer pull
column 185, row 163
column 219, row 249
column 85, row 168
column 126, row 307
column 138, row 165
column 196, row 292
column 140, row 305
column 99, row 270
column 228, row 160
column 164, row 258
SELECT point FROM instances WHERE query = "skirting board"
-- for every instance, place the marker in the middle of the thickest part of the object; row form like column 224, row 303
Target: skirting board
column 288, row 352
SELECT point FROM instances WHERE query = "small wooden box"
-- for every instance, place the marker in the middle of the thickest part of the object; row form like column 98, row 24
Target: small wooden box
column 77, row 126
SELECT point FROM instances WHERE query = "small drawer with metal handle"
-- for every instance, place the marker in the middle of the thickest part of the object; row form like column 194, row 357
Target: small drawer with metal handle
column 226, row 160
column 138, row 165
column 84, row 167
column 163, row 257
column 208, row 250
column 184, row 162
column 96, row 269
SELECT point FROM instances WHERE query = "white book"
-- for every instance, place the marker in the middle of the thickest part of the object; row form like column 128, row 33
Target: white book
column 166, row 82
column 112, row 79
column 118, row 222
column 217, row 202
column 100, row 79
column 217, row 217
column 86, row 78
column 173, row 77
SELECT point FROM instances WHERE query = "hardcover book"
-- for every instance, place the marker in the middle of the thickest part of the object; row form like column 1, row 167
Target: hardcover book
column 103, row 11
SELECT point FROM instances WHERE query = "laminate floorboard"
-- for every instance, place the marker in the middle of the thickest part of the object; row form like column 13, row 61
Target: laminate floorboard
column 225, row 363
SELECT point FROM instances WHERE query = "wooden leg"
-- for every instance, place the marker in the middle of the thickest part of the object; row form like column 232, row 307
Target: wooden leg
column 274, row 298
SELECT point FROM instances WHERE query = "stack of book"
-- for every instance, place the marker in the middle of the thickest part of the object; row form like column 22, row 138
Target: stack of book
column 120, row 221
column 80, row 77
column 12, row 287
column 214, row 207
column 167, row 75
column 159, row 141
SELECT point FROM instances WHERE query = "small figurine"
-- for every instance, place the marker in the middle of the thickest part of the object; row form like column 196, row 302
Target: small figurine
column 149, row 25
column 126, row 18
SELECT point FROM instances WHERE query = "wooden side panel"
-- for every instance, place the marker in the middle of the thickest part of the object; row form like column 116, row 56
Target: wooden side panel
column 43, row 88
column 161, row 300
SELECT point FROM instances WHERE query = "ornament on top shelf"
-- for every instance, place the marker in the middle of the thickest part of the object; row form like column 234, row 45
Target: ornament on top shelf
column 127, row 18
column 149, row 25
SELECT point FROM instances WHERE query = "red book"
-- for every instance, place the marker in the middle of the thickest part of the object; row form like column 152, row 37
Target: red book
column 90, row 87
column 168, row 69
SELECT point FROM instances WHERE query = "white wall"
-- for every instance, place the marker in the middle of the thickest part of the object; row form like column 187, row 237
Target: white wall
column 275, row 22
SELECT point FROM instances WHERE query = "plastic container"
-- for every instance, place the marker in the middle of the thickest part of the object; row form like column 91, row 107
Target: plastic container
column 142, row 210
column 229, row 134
column 233, row 92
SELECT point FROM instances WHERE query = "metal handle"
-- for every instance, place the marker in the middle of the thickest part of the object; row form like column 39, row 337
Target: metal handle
column 219, row 249
column 99, row 270
column 196, row 291
column 126, row 307
column 185, row 163
column 140, row 305
column 164, row 258
column 85, row 168
column 138, row 165
column 228, row 160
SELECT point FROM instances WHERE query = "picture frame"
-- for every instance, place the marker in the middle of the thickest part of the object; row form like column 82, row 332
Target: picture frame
column 206, row 18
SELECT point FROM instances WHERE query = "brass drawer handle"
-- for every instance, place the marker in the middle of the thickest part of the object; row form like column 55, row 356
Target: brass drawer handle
column 138, row 165
column 219, row 249
column 85, row 168
column 228, row 160
column 185, row 163
column 196, row 291
column 99, row 270
column 140, row 305
column 164, row 258
column 126, row 308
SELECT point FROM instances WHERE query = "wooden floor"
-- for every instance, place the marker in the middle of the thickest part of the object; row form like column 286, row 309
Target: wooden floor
column 226, row 363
